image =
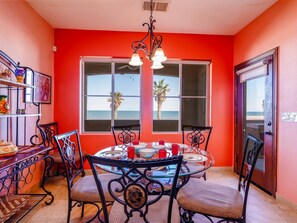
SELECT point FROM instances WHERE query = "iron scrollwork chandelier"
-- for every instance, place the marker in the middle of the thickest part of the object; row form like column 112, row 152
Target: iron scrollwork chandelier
column 154, row 52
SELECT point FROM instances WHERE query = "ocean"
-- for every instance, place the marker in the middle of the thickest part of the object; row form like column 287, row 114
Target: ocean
column 135, row 115
column 254, row 113
column 130, row 115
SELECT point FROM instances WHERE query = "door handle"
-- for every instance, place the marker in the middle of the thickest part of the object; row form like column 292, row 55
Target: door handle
column 268, row 133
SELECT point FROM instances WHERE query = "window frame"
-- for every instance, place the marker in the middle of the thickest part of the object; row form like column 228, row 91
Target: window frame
column 82, row 109
column 180, row 97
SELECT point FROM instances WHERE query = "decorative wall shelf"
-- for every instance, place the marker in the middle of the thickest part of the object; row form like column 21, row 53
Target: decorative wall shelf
column 18, row 115
column 18, row 170
column 14, row 83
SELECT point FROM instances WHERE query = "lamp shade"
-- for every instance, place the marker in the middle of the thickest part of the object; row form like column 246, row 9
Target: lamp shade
column 157, row 65
column 135, row 60
column 159, row 55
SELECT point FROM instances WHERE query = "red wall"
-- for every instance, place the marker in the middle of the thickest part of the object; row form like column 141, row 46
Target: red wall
column 72, row 44
column 277, row 27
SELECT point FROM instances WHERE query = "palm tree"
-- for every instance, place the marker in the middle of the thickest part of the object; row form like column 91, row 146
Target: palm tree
column 117, row 101
column 160, row 90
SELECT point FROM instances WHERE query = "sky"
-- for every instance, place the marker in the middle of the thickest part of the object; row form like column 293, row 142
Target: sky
column 128, row 85
column 255, row 94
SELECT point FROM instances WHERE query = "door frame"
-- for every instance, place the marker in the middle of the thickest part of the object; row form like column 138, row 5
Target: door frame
column 270, row 56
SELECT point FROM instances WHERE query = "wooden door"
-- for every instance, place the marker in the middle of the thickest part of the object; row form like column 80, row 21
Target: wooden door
column 255, row 113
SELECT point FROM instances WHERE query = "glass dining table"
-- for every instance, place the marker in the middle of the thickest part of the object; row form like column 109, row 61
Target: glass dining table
column 194, row 160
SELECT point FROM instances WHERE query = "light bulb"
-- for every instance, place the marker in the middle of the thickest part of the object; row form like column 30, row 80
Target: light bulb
column 159, row 55
column 157, row 65
column 135, row 60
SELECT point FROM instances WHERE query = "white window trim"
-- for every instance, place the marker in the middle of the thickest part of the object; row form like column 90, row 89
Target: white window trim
column 207, row 97
column 101, row 59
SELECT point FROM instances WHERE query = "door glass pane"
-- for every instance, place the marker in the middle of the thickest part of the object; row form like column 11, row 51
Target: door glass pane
column 254, row 113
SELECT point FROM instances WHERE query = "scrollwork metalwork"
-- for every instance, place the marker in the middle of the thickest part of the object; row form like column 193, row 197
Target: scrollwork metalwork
column 127, row 134
column 155, row 41
column 198, row 136
column 15, row 177
column 134, row 187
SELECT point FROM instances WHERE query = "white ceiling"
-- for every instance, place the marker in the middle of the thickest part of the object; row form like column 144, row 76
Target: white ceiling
column 223, row 17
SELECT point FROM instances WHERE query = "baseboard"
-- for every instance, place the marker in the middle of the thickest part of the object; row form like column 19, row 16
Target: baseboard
column 220, row 169
column 285, row 201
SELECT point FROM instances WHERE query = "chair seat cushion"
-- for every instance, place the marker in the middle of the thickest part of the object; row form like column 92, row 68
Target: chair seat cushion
column 211, row 199
column 157, row 212
column 85, row 188
column 57, row 157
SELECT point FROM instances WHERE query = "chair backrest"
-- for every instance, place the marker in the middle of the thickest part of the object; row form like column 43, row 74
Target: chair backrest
column 252, row 148
column 126, row 134
column 69, row 147
column 48, row 131
column 136, row 184
column 196, row 136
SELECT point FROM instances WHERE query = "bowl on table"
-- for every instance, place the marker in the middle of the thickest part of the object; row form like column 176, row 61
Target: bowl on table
column 147, row 153
column 157, row 147
column 139, row 147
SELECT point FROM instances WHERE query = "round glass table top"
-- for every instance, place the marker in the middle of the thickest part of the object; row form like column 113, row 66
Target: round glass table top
column 194, row 160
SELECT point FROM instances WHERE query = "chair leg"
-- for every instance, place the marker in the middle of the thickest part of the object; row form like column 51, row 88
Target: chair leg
column 58, row 169
column 186, row 216
column 69, row 210
column 204, row 176
column 82, row 209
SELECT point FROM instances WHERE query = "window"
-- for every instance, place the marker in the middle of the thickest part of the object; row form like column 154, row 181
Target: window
column 180, row 94
column 111, row 94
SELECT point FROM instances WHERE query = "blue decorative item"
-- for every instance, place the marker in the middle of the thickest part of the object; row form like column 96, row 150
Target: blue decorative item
column 20, row 73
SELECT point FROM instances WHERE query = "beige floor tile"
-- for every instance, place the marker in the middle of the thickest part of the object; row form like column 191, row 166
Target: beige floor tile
column 262, row 208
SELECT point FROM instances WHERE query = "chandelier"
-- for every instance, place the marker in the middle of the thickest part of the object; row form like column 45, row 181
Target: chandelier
column 154, row 51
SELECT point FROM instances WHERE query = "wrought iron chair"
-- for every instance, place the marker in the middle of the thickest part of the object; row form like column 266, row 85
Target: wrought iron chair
column 197, row 137
column 81, row 189
column 126, row 134
column 48, row 131
column 143, row 197
column 213, row 200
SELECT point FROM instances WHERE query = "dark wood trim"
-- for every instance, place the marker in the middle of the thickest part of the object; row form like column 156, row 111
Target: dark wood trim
column 275, row 110
column 270, row 56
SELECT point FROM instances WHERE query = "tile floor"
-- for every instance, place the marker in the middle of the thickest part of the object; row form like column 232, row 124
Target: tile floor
column 261, row 207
